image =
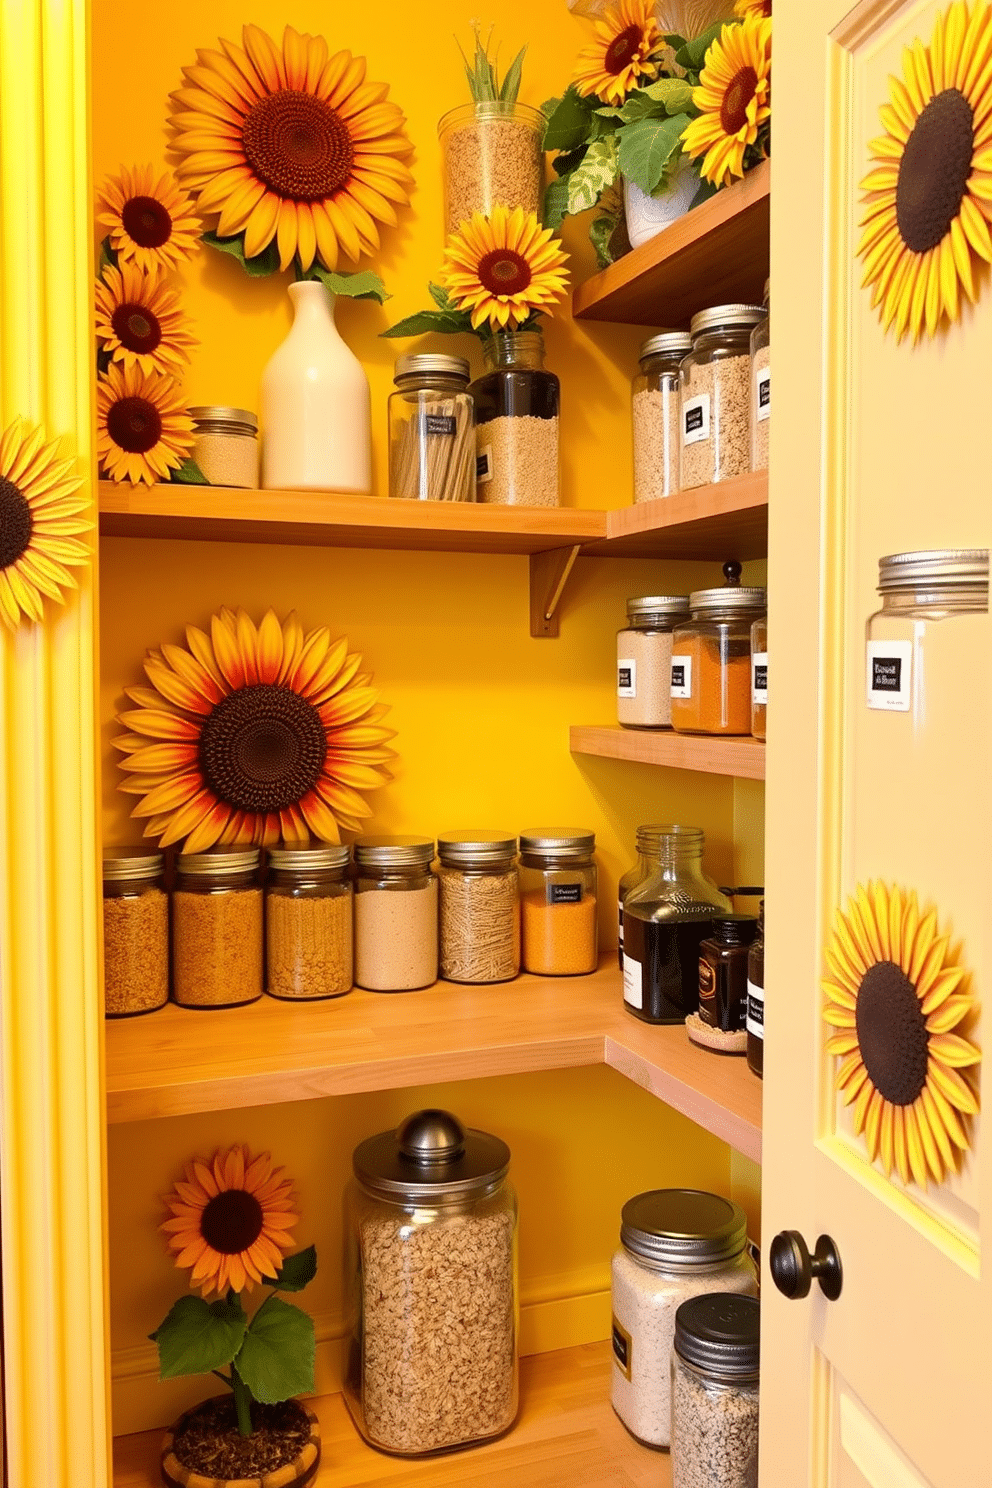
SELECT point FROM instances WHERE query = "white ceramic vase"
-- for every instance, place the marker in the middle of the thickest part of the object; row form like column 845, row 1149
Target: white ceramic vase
column 316, row 405
column 649, row 215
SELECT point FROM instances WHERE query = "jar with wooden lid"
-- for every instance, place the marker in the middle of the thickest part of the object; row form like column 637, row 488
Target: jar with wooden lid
column 715, row 1377
column 225, row 445
column 135, row 931
column 655, row 414
column 308, row 921
column 711, row 659
column 516, row 422
column 396, row 939
column 217, row 928
column 761, row 389
column 644, row 660
column 559, row 886
column 431, row 429
column 479, row 891
column 715, row 395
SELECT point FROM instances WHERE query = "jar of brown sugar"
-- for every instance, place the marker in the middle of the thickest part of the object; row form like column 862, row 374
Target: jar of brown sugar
column 308, row 921
column 644, row 660
column 395, row 913
column 135, row 932
column 217, row 928
column 225, row 445
column 479, row 891
column 558, row 882
column 715, row 399
column 711, row 659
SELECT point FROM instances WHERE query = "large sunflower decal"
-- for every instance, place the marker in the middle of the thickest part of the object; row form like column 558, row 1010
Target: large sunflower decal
column 252, row 734
column 734, row 100
column 504, row 267
column 928, row 196
column 627, row 35
column 142, row 428
column 40, row 522
column 229, row 1220
column 151, row 223
column 139, row 321
column 290, row 145
column 894, row 998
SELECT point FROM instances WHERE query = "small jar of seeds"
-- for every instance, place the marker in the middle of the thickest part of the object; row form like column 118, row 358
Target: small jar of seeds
column 217, row 928
column 715, row 1393
column 655, row 412
column 225, row 445
column 491, row 156
column 479, row 906
column 135, row 932
column 715, row 404
column 516, row 423
column 308, row 922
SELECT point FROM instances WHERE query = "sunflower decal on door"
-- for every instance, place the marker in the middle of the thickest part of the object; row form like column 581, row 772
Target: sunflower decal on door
column 895, row 1004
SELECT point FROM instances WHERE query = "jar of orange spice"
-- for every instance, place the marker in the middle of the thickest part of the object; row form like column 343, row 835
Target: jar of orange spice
column 558, row 895
column 711, row 659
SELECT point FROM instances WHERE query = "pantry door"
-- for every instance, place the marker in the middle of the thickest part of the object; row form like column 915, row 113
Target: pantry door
column 877, row 447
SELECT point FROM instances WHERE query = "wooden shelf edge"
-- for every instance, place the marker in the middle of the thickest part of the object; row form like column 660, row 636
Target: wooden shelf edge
column 741, row 757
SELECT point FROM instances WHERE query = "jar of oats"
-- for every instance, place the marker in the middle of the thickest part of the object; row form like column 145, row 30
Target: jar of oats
column 715, row 398
column 217, row 928
column 516, row 423
column 491, row 156
column 431, row 1281
column 308, row 921
column 655, row 412
column 479, row 906
column 135, row 932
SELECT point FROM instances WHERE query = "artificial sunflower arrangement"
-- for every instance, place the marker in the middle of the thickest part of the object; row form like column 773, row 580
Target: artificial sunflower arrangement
column 41, row 522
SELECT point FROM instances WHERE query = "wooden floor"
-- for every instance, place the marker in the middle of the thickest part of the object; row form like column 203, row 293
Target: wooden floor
column 566, row 1437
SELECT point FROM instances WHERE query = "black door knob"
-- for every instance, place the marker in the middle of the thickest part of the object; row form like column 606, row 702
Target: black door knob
column 793, row 1268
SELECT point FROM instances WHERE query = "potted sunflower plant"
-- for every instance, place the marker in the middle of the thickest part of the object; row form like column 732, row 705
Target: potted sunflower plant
column 229, row 1223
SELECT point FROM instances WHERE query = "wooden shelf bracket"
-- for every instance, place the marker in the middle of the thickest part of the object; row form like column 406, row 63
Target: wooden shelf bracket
column 549, row 573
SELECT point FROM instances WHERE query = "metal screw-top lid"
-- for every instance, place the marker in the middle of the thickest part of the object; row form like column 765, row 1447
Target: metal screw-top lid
column 669, row 606
column 319, row 856
column 721, row 1334
column 682, row 1227
column 734, row 317
column 475, row 845
column 562, row 843
column 666, row 344
column 734, row 929
column 127, row 864
column 208, row 414
column 941, row 567
column 218, row 861
column 430, row 1156
column 417, row 363
column 393, row 852
column 735, row 597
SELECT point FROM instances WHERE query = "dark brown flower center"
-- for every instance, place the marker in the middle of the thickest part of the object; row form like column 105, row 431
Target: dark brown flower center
column 892, row 1033
column 733, row 110
column 16, row 523
column 504, row 272
column 136, row 327
column 146, row 222
column 231, row 1221
column 298, row 145
column 934, row 170
column 134, row 424
column 622, row 49
column 262, row 748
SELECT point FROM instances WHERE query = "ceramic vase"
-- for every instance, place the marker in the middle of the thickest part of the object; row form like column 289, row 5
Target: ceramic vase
column 649, row 215
column 316, row 406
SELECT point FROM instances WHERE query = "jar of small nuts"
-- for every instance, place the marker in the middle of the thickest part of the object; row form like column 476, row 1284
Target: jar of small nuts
column 308, row 921
column 655, row 412
column 715, row 395
column 217, row 928
column 135, row 932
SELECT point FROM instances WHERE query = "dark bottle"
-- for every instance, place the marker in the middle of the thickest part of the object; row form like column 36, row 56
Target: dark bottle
column 723, row 972
column 756, row 999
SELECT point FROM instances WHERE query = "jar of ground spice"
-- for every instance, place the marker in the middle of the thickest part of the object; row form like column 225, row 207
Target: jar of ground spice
column 217, row 928
column 396, row 940
column 225, row 445
column 655, row 411
column 491, row 156
column 479, row 892
column 308, row 922
column 761, row 389
column 715, row 400
column 516, row 423
column 715, row 1392
column 558, row 885
column 431, row 429
column 135, row 932
column 711, row 659
column 644, row 660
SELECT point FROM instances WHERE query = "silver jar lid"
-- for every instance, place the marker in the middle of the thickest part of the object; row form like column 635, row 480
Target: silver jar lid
column 430, row 1156
column 739, row 599
column 940, row 567
column 216, row 862
column 475, row 845
column 393, row 851
column 127, row 864
column 742, row 317
column 720, row 1333
column 667, row 343
column 683, row 1227
column 210, row 415
column 668, row 605
column 564, row 843
column 418, row 363
column 319, row 857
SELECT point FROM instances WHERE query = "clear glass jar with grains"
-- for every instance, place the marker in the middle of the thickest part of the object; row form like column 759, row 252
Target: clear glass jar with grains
column 655, row 415
column 308, row 921
column 479, row 906
column 217, row 928
column 516, row 423
column 135, row 931
column 715, row 1375
column 396, row 940
column 715, row 398
column 644, row 660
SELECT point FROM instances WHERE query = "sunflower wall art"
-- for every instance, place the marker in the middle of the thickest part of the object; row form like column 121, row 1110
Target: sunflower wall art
column 41, row 522
column 250, row 734
column 896, row 1004
column 927, row 198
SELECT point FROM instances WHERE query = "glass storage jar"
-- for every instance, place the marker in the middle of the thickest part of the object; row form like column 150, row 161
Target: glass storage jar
column 217, row 928
column 759, row 677
column 431, row 1287
column 715, row 1373
column 644, row 660
column 711, row 659
column 649, row 847
column 516, row 423
column 479, row 891
column 308, row 922
column 655, row 414
column 491, row 156
column 761, row 389
column 135, row 932
column 665, row 920
column 225, row 445
column 431, row 429
column 395, row 913
column 715, row 398
column 675, row 1243
column 755, row 1021
column 558, row 884
column 723, row 973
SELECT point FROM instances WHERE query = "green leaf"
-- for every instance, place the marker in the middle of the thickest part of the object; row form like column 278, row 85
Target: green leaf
column 674, row 93
column 444, row 322
column 674, row 40
column 188, row 474
column 597, row 172
column 568, row 126
column 361, row 286
column 647, row 147
column 564, row 165
column 511, row 83
column 548, row 107
column 265, row 263
column 277, row 1356
column 600, row 128
column 692, row 55
column 441, row 297
column 198, row 1336
column 556, row 202
column 601, row 230
column 297, row 1271
column 108, row 256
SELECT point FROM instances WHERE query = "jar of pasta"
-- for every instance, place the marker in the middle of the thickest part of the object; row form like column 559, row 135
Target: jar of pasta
column 308, row 914
column 431, row 429
column 655, row 412
column 217, row 928
column 715, row 399
column 558, row 884
column 479, row 896
column 711, row 659
column 135, row 932
column 395, row 913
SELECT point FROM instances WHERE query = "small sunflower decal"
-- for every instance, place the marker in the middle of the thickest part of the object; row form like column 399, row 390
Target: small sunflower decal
column 252, row 734
column 894, row 998
column 626, row 37
column 229, row 1220
column 734, row 100
column 504, row 267
column 139, row 322
column 151, row 222
column 143, row 429
column 290, row 145
column 40, row 522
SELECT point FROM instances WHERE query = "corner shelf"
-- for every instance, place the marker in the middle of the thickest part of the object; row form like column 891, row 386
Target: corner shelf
column 742, row 758
column 726, row 520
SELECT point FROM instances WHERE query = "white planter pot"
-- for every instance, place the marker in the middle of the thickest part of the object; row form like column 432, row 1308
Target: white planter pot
column 650, row 215
column 316, row 405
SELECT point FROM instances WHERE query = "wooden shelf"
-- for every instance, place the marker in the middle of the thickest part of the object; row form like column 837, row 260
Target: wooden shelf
column 728, row 520
column 178, row 1061
column 741, row 757
column 716, row 254
column 566, row 1432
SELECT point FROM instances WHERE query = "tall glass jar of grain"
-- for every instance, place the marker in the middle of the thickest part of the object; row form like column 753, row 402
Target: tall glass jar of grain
column 761, row 389
column 431, row 1282
column 715, row 1362
column 396, row 941
column 516, row 423
column 675, row 1243
column 431, row 430
column 558, row 883
column 655, row 412
column 649, row 843
column 644, row 660
column 217, row 928
column 135, row 932
column 715, row 400
column 479, row 891
column 308, row 921
column 711, row 659
column 490, row 156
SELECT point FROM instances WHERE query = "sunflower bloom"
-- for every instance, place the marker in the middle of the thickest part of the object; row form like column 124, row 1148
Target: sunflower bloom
column 503, row 268
column 291, row 145
column 251, row 735
column 734, row 99
column 150, row 221
column 895, row 1005
column 139, row 322
column 745, row 8
column 142, row 428
column 621, row 55
column 40, row 522
column 928, row 196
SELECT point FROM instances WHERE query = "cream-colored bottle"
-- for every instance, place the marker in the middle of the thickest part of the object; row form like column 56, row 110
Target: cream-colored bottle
column 316, row 406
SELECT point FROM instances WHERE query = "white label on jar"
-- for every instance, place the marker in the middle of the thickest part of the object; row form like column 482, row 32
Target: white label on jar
column 890, row 674
column 759, row 676
column 681, row 676
column 696, row 419
column 633, row 988
column 484, row 465
column 626, row 677
column 755, row 1023
column 620, row 923
column 763, row 394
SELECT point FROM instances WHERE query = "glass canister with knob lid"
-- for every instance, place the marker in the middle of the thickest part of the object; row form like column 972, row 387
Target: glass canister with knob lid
column 711, row 658
column 431, row 429
column 431, row 1281
column 655, row 415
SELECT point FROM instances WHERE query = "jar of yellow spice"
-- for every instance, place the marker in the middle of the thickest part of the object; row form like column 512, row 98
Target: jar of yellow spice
column 308, row 921
column 711, row 659
column 558, row 882
column 135, row 932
